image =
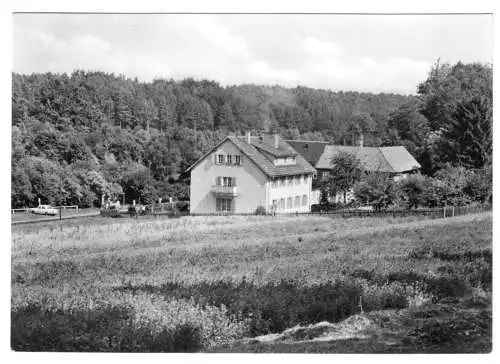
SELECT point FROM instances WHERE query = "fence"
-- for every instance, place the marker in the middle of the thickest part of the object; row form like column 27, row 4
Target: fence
column 438, row 212
column 13, row 211
column 28, row 209
column 464, row 210
column 75, row 207
column 177, row 208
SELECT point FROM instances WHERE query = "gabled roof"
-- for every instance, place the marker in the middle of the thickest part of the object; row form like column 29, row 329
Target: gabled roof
column 258, row 151
column 383, row 159
column 399, row 158
column 310, row 150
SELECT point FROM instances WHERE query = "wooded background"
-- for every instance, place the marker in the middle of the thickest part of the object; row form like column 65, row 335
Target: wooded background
column 76, row 137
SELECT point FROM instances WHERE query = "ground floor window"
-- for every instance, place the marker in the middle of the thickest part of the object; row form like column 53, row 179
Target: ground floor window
column 297, row 201
column 282, row 204
column 289, row 203
column 304, row 200
column 223, row 205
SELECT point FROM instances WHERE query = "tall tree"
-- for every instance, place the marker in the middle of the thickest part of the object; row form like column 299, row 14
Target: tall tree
column 345, row 173
column 468, row 139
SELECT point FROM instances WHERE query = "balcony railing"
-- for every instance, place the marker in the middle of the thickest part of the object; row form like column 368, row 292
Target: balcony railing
column 225, row 191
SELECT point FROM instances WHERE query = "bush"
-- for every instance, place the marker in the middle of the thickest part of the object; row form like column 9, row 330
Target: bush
column 376, row 190
column 141, row 323
column 273, row 307
column 182, row 206
column 260, row 210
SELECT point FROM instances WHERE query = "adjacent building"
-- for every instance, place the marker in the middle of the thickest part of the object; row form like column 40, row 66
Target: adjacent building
column 246, row 173
column 395, row 161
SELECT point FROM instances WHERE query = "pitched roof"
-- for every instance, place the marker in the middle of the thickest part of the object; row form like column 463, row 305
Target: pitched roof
column 266, row 144
column 383, row 159
column 310, row 150
column 258, row 151
column 400, row 158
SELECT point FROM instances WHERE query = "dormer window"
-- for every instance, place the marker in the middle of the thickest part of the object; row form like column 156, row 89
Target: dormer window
column 287, row 161
column 228, row 160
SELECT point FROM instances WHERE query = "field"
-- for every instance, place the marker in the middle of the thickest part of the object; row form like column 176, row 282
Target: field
column 254, row 284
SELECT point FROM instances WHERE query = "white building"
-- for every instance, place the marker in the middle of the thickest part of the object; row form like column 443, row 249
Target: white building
column 248, row 172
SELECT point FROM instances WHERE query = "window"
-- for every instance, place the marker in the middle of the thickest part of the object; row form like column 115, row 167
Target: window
column 274, row 183
column 284, row 161
column 297, row 180
column 223, row 205
column 289, row 203
column 226, row 181
column 220, row 159
column 304, row 200
column 290, row 181
column 282, row 204
column 229, row 159
column 281, row 181
column 297, row 201
column 237, row 160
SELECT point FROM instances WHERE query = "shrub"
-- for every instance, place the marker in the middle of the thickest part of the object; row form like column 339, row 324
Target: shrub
column 260, row 210
column 272, row 307
column 182, row 206
column 376, row 190
column 141, row 323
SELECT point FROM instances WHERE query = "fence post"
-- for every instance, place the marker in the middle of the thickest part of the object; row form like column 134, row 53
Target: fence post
column 444, row 212
column 452, row 211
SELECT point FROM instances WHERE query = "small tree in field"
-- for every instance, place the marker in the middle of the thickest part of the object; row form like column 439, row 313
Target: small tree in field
column 345, row 173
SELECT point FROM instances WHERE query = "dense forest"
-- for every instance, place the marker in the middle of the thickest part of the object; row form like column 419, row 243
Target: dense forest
column 76, row 137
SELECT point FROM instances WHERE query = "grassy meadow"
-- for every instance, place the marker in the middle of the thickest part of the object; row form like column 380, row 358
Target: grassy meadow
column 231, row 283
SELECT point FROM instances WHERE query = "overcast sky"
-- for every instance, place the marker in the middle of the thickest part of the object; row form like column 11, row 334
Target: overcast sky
column 377, row 53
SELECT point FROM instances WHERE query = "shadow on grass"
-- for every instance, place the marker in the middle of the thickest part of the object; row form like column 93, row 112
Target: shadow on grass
column 108, row 329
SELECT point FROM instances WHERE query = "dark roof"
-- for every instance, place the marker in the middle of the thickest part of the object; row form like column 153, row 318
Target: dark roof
column 383, row 159
column 310, row 150
column 259, row 149
column 266, row 144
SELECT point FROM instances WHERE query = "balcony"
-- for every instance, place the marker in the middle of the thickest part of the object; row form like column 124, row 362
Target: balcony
column 225, row 191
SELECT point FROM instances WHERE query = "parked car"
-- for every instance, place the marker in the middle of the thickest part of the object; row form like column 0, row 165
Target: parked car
column 45, row 210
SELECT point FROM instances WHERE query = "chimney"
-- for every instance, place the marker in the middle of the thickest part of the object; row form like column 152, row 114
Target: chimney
column 361, row 140
column 249, row 137
column 276, row 140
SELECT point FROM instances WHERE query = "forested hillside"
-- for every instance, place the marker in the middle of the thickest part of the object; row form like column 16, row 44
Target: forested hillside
column 76, row 137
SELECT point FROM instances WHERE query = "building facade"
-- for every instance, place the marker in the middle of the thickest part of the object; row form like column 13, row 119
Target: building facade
column 245, row 173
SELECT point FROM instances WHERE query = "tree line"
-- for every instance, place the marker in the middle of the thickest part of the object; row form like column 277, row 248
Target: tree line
column 76, row 137
column 448, row 128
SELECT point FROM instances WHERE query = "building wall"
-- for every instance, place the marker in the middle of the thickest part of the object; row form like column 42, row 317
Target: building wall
column 250, row 181
column 284, row 192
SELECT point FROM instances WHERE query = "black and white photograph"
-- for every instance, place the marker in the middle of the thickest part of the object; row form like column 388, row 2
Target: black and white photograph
column 211, row 182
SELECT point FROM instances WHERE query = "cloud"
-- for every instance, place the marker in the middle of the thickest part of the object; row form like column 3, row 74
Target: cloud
column 262, row 71
column 378, row 54
column 218, row 37
column 321, row 48
column 91, row 43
